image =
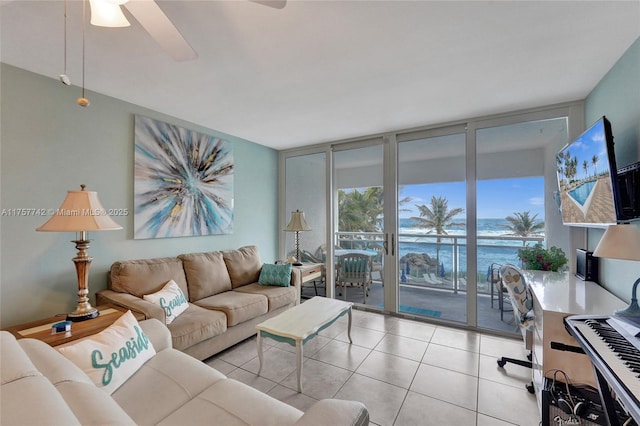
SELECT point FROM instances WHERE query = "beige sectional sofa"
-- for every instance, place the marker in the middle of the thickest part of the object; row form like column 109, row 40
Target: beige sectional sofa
column 225, row 300
column 40, row 386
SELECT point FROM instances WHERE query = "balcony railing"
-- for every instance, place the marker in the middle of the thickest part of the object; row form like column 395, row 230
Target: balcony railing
column 444, row 266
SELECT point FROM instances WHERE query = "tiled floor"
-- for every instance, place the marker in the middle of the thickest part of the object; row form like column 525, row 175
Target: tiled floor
column 405, row 372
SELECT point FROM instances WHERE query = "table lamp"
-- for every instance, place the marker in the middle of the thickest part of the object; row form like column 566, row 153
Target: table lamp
column 622, row 242
column 297, row 224
column 81, row 212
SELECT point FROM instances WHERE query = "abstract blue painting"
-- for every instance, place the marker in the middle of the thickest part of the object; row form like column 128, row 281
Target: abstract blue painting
column 183, row 182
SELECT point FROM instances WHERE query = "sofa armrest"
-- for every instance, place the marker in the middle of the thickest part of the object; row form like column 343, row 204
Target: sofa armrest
column 134, row 303
column 296, row 281
column 335, row 412
column 158, row 333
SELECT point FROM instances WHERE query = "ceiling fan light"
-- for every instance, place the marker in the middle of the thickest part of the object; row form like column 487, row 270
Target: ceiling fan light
column 105, row 13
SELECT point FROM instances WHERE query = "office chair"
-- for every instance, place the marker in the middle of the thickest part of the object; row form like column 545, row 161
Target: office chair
column 522, row 303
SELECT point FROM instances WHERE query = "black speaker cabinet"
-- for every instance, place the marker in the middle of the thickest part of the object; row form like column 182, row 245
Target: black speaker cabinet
column 586, row 265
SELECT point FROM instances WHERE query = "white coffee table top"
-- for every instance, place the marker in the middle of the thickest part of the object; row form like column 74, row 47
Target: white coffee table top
column 305, row 319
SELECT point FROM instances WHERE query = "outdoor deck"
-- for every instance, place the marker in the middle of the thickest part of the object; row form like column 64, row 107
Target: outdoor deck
column 432, row 304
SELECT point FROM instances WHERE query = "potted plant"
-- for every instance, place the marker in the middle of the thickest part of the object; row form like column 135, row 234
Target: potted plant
column 538, row 258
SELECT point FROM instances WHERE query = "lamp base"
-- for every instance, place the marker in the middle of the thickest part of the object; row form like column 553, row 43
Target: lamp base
column 83, row 315
column 633, row 310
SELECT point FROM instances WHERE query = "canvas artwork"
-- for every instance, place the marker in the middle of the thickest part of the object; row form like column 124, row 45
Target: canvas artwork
column 183, row 182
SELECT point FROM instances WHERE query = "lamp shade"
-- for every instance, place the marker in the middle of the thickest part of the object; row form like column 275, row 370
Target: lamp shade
column 107, row 13
column 620, row 242
column 297, row 222
column 80, row 211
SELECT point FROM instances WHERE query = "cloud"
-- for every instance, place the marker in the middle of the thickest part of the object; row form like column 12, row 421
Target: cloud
column 536, row 201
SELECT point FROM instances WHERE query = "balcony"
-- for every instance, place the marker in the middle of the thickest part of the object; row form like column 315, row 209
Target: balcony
column 432, row 276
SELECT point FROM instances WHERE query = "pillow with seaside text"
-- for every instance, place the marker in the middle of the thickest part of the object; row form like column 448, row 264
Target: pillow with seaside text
column 171, row 299
column 110, row 357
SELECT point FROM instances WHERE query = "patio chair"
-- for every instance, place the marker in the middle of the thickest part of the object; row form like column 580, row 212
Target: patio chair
column 498, row 290
column 354, row 270
column 377, row 265
column 522, row 302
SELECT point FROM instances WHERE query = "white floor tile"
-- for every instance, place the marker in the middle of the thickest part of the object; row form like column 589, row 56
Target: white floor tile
column 382, row 399
column 389, row 369
column 402, row 346
column 360, row 336
column 446, row 385
column 459, row 339
column 341, row 354
column 319, row 380
column 425, row 411
column 511, row 404
column 413, row 329
column 452, row 359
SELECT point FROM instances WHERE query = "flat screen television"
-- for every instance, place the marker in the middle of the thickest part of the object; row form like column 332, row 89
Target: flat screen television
column 587, row 178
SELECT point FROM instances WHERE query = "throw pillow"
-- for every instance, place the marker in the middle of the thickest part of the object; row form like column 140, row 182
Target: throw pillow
column 110, row 357
column 279, row 275
column 171, row 299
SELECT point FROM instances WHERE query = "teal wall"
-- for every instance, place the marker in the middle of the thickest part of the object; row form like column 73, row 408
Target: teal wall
column 617, row 96
column 51, row 145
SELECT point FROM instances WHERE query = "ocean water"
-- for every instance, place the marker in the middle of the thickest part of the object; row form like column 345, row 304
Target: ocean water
column 414, row 240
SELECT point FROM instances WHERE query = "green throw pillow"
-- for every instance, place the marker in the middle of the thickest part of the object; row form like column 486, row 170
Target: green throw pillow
column 279, row 275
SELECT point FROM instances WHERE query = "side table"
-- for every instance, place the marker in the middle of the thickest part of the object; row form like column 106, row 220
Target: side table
column 310, row 272
column 41, row 329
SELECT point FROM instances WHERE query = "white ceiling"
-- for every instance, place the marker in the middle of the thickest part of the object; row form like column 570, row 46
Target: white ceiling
column 320, row 71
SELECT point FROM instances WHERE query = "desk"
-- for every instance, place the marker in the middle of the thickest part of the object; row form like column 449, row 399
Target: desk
column 557, row 295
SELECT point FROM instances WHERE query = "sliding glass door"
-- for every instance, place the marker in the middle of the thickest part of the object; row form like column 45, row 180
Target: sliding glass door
column 432, row 232
column 359, row 198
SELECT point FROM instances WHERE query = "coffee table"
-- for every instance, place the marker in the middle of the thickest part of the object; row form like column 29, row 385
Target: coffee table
column 302, row 323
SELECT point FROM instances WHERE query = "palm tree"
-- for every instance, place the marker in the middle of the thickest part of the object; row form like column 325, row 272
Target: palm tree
column 585, row 167
column 436, row 218
column 594, row 161
column 522, row 225
column 359, row 211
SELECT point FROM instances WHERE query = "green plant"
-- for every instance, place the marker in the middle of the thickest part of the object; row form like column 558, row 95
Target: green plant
column 538, row 258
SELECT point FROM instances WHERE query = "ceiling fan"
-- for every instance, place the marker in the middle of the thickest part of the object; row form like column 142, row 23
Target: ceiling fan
column 107, row 13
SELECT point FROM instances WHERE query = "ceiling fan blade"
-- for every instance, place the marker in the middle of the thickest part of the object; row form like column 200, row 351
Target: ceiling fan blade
column 153, row 19
column 276, row 4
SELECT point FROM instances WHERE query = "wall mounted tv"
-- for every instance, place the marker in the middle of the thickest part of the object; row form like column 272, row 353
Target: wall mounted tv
column 587, row 179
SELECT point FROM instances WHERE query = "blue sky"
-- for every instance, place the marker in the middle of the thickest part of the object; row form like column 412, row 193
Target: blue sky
column 496, row 198
column 591, row 143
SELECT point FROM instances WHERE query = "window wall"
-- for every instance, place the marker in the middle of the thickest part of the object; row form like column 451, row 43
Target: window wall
column 449, row 193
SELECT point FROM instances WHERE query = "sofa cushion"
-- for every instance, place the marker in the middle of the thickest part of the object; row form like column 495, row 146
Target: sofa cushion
column 279, row 275
column 244, row 265
column 206, row 273
column 171, row 299
column 111, row 356
column 62, row 391
column 238, row 307
column 277, row 296
column 175, row 377
column 146, row 276
column 230, row 402
column 196, row 325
